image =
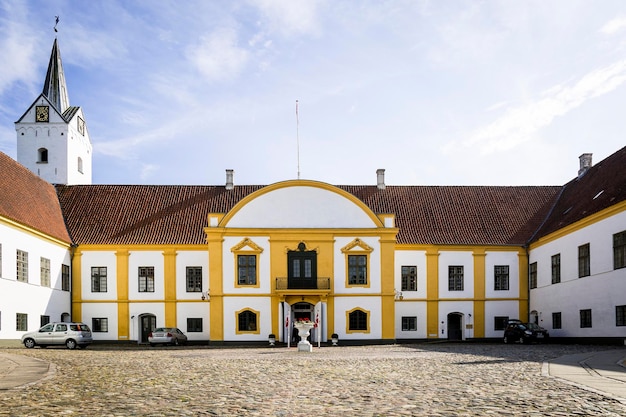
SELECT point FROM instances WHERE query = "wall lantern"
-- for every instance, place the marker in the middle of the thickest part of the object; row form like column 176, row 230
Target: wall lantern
column 206, row 296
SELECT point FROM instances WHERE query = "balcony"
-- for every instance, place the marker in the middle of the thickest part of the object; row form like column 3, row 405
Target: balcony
column 287, row 284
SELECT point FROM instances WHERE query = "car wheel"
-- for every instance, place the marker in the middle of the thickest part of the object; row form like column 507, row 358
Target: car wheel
column 70, row 343
column 29, row 343
column 522, row 340
column 175, row 342
column 506, row 339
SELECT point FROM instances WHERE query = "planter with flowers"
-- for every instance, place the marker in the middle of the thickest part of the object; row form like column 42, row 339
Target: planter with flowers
column 304, row 327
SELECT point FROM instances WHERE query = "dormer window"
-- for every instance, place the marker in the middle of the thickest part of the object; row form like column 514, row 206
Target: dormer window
column 42, row 156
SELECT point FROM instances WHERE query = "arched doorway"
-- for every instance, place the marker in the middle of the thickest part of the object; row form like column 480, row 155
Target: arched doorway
column 147, row 323
column 534, row 317
column 65, row 318
column 455, row 321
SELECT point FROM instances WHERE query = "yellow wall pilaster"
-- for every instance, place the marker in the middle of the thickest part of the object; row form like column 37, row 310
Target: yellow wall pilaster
column 77, row 286
column 122, row 293
column 387, row 266
column 523, row 285
column 479, row 293
column 169, row 286
column 216, row 305
column 432, row 293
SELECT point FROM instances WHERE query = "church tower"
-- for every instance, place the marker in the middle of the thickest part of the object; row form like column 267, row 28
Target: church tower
column 52, row 136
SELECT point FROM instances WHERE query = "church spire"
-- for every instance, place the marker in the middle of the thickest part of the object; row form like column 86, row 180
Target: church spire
column 54, row 88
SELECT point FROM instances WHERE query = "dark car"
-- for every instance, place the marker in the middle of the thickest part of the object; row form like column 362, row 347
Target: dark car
column 525, row 333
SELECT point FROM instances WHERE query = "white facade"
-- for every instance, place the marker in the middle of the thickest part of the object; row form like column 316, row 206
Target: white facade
column 37, row 301
column 600, row 292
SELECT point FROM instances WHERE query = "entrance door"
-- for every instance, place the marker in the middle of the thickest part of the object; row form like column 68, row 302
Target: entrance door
column 148, row 324
column 302, row 268
column 454, row 327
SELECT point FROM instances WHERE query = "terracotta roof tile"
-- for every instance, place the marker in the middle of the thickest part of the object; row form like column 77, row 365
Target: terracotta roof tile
column 29, row 200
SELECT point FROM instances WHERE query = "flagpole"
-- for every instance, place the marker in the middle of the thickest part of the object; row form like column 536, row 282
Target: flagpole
column 298, row 137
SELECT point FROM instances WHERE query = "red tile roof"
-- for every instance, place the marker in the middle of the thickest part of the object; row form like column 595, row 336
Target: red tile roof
column 139, row 214
column 29, row 200
column 602, row 186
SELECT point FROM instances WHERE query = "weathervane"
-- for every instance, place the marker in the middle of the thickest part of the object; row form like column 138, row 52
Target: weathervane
column 56, row 22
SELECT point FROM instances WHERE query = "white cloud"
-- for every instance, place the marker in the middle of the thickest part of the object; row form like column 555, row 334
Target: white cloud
column 519, row 124
column 614, row 25
column 217, row 56
column 147, row 170
column 291, row 17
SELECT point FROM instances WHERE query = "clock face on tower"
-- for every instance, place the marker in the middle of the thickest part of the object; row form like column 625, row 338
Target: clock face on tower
column 42, row 113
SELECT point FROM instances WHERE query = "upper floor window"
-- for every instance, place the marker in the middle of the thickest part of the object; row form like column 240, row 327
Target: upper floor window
column 246, row 269
column 80, row 164
column 556, row 268
column 501, row 277
column 98, row 279
column 65, row 277
column 584, row 261
column 409, row 278
column 619, row 250
column 44, row 265
column 42, row 155
column 455, row 278
column 532, row 275
column 357, row 269
column 22, row 266
column 146, row 279
column 194, row 279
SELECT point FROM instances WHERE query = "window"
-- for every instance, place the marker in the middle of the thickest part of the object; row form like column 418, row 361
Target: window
column 556, row 320
column 22, row 266
column 246, row 269
column 585, row 318
column 409, row 278
column 247, row 321
column 43, row 320
column 584, row 261
column 100, row 325
column 409, row 324
column 65, row 277
column 146, row 279
column 44, row 265
column 357, row 320
column 80, row 165
column 500, row 322
column 98, row 279
column 194, row 325
column 21, row 322
column 194, row 279
column 501, row 277
column 556, row 268
column 42, row 156
column 619, row 250
column 532, row 275
column 620, row 315
column 455, row 278
column 357, row 269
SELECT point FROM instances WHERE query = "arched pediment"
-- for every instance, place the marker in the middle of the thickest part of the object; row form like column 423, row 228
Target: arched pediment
column 301, row 204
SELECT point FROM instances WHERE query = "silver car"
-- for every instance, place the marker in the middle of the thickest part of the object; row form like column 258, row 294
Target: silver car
column 68, row 334
column 167, row 335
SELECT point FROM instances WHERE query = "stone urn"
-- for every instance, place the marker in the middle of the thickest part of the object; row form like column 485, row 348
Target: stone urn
column 304, row 330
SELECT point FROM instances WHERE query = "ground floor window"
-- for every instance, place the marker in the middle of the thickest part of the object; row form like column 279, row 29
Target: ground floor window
column 194, row 324
column 500, row 322
column 556, row 320
column 246, row 321
column 43, row 320
column 100, row 325
column 21, row 322
column 357, row 320
column 409, row 324
column 585, row 318
column 620, row 315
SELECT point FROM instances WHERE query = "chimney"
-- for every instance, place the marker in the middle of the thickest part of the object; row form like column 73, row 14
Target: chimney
column 585, row 163
column 380, row 175
column 229, row 179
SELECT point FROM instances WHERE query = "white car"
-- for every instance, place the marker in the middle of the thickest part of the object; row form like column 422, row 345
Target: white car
column 68, row 334
column 167, row 335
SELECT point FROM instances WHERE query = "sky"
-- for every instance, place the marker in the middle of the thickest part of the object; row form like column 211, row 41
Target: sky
column 434, row 92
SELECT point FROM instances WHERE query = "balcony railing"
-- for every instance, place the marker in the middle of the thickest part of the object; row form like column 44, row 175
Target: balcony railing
column 302, row 284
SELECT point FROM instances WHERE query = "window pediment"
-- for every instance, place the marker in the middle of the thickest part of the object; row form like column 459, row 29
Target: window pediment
column 359, row 245
column 246, row 245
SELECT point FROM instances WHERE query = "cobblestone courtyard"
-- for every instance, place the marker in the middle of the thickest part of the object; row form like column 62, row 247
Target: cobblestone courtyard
column 396, row 380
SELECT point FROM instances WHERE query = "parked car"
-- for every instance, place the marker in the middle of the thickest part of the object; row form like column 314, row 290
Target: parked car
column 525, row 333
column 68, row 334
column 167, row 335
